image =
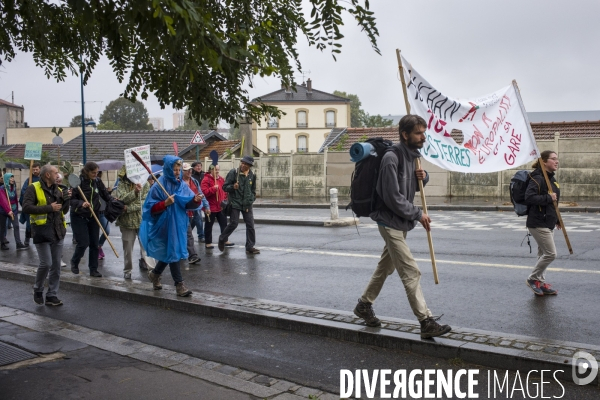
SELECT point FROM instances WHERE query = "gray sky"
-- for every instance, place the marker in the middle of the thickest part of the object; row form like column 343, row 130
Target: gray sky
column 465, row 48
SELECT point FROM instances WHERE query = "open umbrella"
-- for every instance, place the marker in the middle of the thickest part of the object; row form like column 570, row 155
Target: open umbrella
column 156, row 159
column 110, row 165
column 156, row 169
column 15, row 165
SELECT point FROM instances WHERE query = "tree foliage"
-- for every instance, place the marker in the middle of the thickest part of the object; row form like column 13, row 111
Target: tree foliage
column 356, row 113
column 127, row 115
column 194, row 54
column 109, row 126
column 76, row 121
column 190, row 124
column 376, row 121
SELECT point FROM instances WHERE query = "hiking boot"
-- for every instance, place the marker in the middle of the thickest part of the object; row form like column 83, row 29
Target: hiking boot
column 430, row 328
column 3, row 247
column 100, row 253
column 547, row 289
column 182, row 291
column 38, row 298
column 253, row 251
column 535, row 286
column 74, row 268
column 365, row 311
column 127, row 275
column 21, row 246
column 193, row 259
column 143, row 265
column 201, row 240
column 221, row 244
column 96, row 274
column 155, row 279
column 4, row 241
column 53, row 301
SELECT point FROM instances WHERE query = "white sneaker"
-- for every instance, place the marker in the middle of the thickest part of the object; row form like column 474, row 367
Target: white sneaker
column 127, row 275
column 63, row 264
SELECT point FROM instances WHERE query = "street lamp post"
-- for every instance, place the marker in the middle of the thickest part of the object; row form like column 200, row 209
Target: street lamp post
column 83, row 119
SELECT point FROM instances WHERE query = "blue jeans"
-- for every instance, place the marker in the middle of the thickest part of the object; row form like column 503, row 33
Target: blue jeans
column 106, row 226
column 197, row 223
column 50, row 254
column 175, row 270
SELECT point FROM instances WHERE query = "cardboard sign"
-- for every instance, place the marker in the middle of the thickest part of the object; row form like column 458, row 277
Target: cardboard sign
column 136, row 171
column 33, row 151
column 197, row 139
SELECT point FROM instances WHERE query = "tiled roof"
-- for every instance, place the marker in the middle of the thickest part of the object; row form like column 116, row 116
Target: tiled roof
column 301, row 94
column 563, row 116
column 333, row 136
column 8, row 103
column 105, row 145
column 16, row 151
column 541, row 131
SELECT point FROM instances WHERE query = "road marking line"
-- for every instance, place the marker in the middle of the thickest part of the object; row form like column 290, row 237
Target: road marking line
column 478, row 264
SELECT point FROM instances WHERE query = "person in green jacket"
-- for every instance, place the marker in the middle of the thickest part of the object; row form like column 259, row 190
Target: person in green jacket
column 241, row 188
column 133, row 195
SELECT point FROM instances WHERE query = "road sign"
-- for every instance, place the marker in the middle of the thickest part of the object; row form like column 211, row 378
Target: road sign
column 33, row 151
column 197, row 139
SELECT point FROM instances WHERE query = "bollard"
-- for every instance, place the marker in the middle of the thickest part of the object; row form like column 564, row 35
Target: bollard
column 334, row 203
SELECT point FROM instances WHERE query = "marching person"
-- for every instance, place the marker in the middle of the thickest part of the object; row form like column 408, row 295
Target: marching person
column 24, row 218
column 46, row 205
column 241, row 188
column 542, row 219
column 84, row 225
column 212, row 187
column 133, row 195
column 59, row 183
column 164, row 224
column 395, row 215
column 9, row 208
column 198, row 174
column 103, row 221
column 193, row 215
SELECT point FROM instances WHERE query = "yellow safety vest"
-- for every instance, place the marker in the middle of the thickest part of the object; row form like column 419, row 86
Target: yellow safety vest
column 41, row 219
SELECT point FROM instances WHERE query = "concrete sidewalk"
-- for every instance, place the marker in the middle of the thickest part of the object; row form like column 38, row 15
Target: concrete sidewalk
column 492, row 349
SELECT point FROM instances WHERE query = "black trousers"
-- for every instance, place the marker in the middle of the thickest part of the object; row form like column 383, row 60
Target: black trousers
column 87, row 233
column 233, row 223
column 209, row 221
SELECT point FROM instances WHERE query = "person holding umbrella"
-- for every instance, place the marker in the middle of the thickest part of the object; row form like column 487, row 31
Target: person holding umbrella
column 163, row 231
column 85, row 228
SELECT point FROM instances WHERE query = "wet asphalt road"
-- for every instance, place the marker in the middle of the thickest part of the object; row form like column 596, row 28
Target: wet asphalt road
column 313, row 361
column 482, row 270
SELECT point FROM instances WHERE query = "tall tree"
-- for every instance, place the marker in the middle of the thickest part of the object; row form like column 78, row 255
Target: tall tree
column 376, row 121
column 126, row 114
column 76, row 121
column 357, row 114
column 195, row 54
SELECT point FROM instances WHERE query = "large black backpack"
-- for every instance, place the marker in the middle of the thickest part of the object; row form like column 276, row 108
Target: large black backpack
column 517, row 188
column 363, row 196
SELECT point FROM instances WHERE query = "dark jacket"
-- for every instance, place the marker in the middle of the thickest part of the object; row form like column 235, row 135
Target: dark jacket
column 244, row 196
column 34, row 179
column 93, row 190
column 198, row 176
column 542, row 213
column 54, row 229
column 396, row 187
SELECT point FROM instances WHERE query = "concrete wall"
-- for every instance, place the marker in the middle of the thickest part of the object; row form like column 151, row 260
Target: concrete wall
column 42, row 135
column 313, row 174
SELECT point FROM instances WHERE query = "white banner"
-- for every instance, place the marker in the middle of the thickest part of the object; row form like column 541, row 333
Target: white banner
column 136, row 172
column 495, row 128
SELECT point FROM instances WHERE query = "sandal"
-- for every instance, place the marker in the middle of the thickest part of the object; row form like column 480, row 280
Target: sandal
column 229, row 244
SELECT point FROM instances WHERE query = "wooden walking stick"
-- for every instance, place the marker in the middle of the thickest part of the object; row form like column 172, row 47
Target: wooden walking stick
column 560, row 220
column 139, row 159
column 74, row 182
column 418, row 166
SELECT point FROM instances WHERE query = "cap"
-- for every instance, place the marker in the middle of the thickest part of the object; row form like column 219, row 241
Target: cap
column 186, row 166
column 248, row 160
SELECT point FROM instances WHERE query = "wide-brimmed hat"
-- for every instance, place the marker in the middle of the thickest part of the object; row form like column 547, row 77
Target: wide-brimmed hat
column 186, row 166
column 248, row 160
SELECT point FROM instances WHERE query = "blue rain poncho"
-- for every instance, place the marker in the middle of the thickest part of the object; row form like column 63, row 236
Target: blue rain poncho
column 164, row 235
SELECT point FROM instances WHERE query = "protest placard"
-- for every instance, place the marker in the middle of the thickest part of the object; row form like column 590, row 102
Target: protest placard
column 136, row 171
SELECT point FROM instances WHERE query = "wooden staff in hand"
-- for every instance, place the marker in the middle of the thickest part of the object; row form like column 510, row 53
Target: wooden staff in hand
column 91, row 207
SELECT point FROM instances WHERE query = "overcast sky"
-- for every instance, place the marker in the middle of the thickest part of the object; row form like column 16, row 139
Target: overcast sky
column 464, row 48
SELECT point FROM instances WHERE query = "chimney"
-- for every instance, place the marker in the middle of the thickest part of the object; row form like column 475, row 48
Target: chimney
column 309, row 86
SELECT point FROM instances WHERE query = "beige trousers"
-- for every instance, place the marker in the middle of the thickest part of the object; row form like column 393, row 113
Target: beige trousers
column 128, row 236
column 397, row 256
column 544, row 237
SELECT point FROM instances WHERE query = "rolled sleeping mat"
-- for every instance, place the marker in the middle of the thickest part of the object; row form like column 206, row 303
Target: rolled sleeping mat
column 360, row 151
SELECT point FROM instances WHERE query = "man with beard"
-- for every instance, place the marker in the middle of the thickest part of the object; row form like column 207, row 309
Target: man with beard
column 395, row 215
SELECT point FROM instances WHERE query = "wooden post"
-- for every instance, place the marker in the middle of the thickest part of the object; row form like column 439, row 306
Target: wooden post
column 418, row 166
column 97, row 221
column 30, row 172
column 560, row 220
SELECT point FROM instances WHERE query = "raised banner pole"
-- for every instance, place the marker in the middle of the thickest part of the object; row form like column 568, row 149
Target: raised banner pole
column 541, row 162
column 418, row 165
